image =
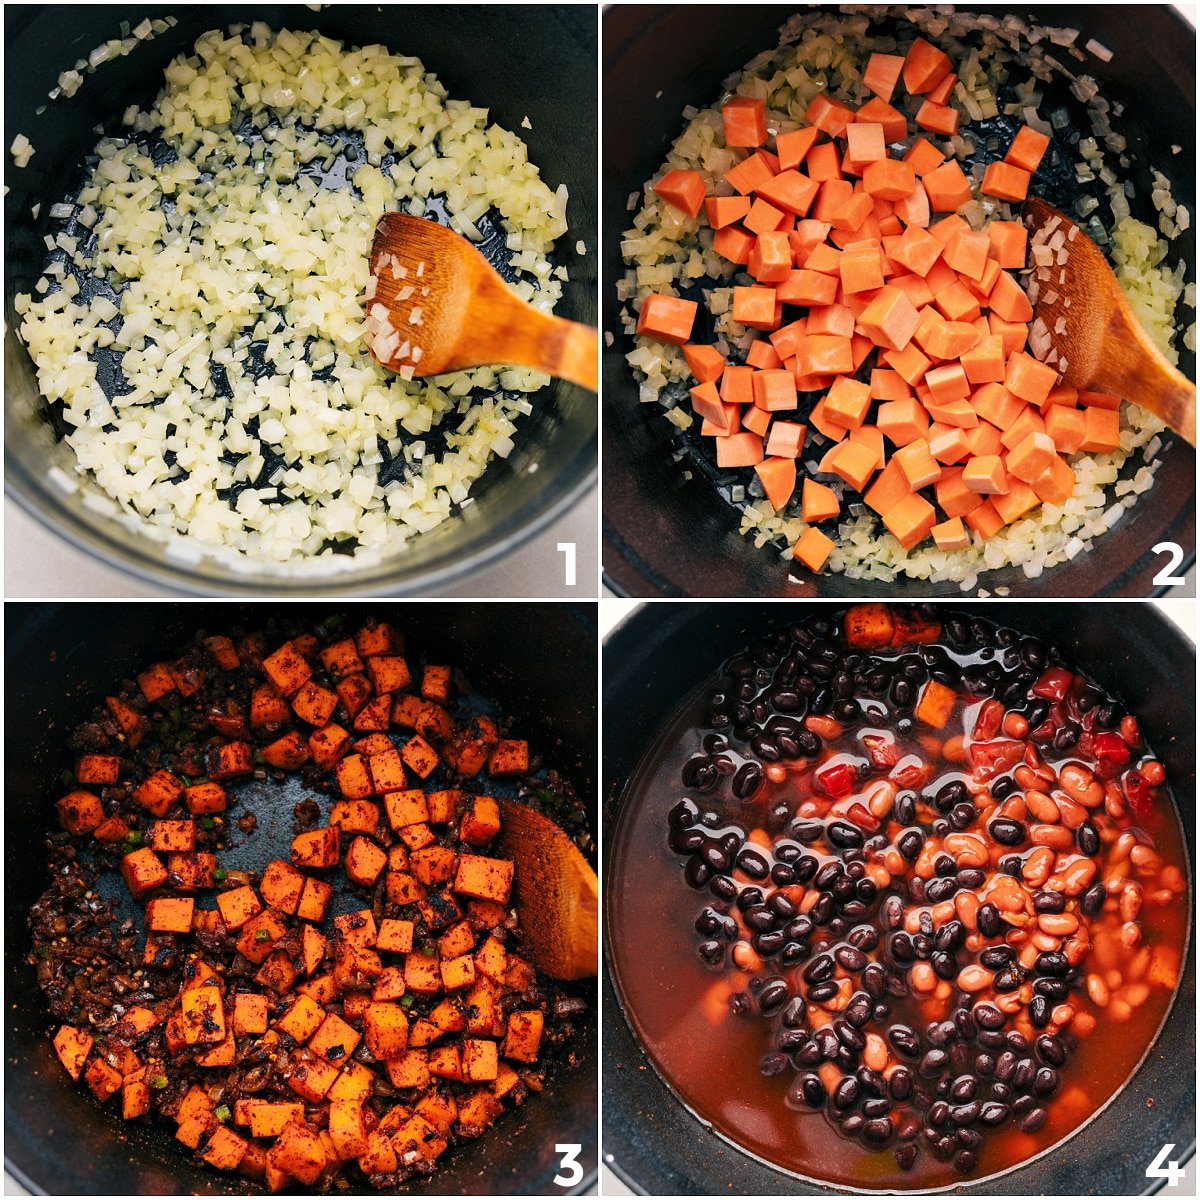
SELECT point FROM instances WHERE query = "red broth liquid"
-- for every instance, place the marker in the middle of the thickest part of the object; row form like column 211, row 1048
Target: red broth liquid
column 709, row 1055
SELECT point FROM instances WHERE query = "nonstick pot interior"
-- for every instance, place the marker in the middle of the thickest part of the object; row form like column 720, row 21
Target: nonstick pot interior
column 661, row 653
column 516, row 61
column 537, row 661
column 667, row 536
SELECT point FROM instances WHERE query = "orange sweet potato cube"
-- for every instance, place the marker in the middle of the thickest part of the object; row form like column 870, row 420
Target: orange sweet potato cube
column 385, row 1029
column 259, row 936
column 143, row 871
column 421, row 974
column 458, row 972
column 435, row 684
column 105, row 1081
column 268, row 1120
column 364, row 862
column 523, row 1037
column 481, row 822
column 354, row 691
column 812, row 548
column 159, row 792
column 238, row 905
column 354, row 778
column 395, row 936
column 374, row 716
column 389, row 673
column 409, row 1069
column 480, row 1060
column 232, row 759
column 936, row 705
column 282, row 886
column 73, row 1046
column 287, row 668
column 80, row 812
column 458, row 939
column 346, row 1128
column 302, row 1020
column 510, row 757
column 356, row 928
column 910, row 520
column 406, row 807
column 432, row 864
column 419, row 756
column 250, row 1012
column 334, row 1041
column 98, row 768
column 156, row 682
column 202, row 1016
column 165, row 915
column 317, row 849
column 298, row 1152
column 355, row 816
column 314, row 704
column 178, row 837
column 313, row 900
column 402, row 888
column 485, row 878
column 205, row 798
column 192, row 872
column 225, row 1149
column 341, row 659
column 446, row 1062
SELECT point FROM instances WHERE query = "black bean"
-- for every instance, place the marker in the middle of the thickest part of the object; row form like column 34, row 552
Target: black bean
column 851, row 959
column 905, row 810
column 696, row 873
column 853, row 1125
column 995, row 957
column 770, row 943
column 905, row 1041
column 858, row 1011
column 818, row 993
column 892, row 912
column 910, row 843
column 1006, row 1066
column 985, row 1065
column 988, row 920
column 1004, row 787
column 1052, row 989
column 1007, row 832
column 964, row 1161
column 993, row 1114
column 686, row 841
column 873, row 1084
column 991, row 1039
column 900, row 1083
column 874, row 981
column 809, row 1055
column 1032, row 1121
column 937, row 890
column 905, row 1155
column 901, row 947
column 969, row 1139
column 723, row 887
column 827, row 876
column 940, row 1033
column 753, row 862
column 760, row 918
column 863, row 937
column 823, row 909
column 944, row 966
column 1023, row 1104
column 1088, row 838
column 933, row 1062
column 964, row 1088
column 848, row 1035
column 1039, row 1012
column 793, row 953
column 1092, row 900
column 1051, row 1049
column 746, row 781
column 875, row 1108
column 712, row 952
column 1049, row 902
column 1024, row 1075
column 845, row 1095
column 1045, row 1082
column 951, row 935
column 938, row 1115
column 843, row 834
column 877, row 1132
column 1052, row 962
column 811, row 1090
column 962, row 816
column 951, row 794
column 683, row 815
column 965, row 1114
column 820, row 969
column 751, row 897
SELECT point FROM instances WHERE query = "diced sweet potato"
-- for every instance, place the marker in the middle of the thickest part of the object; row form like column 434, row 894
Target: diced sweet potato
column 314, row 704
column 232, row 759
column 80, row 812
column 250, row 1013
column 523, row 1038
column 159, row 792
column 143, row 871
column 395, row 936
column 205, row 798
column 374, row 716
column 289, row 752
column 433, row 864
column 73, row 1046
column 268, row 709
column 259, row 936
column 341, row 659
column 111, row 830
column 318, row 849
column 287, row 668
column 281, row 886
column 481, row 822
column 480, row 1060
column 173, row 837
column 356, row 928
column 355, row 816
column 406, row 807
column 419, row 756
column 192, row 872
column 238, row 905
column 385, row 1029
column 485, row 878
column 202, row 1016
column 170, row 915
column 458, row 972
column 156, row 682
column 298, row 1152
column 402, row 888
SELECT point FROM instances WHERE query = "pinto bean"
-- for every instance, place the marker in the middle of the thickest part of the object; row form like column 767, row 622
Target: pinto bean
column 1081, row 785
column 974, row 978
column 1037, row 867
column 1097, row 990
column 1058, row 836
column 1058, row 924
column 1041, row 807
column 1130, row 903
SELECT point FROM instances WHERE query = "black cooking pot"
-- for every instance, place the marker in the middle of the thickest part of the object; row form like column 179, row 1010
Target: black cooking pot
column 516, row 61
column 667, row 536
column 537, row 661
column 658, row 655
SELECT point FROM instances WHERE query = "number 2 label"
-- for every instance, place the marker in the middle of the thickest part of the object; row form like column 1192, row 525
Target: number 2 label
column 572, row 1172
column 1160, row 1168
column 1174, row 552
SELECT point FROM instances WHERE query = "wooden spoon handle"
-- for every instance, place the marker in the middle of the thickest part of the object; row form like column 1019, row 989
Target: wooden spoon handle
column 1146, row 377
column 568, row 350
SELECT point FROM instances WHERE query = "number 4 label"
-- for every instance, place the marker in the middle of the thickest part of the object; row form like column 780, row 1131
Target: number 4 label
column 1174, row 552
column 1160, row 1168
column 572, row 1172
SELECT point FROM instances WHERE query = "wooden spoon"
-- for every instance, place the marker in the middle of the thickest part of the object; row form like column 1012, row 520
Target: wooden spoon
column 557, row 893
column 1103, row 344
column 451, row 305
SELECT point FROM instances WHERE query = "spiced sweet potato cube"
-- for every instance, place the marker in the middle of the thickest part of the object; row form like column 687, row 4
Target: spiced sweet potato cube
column 424, row 1032
column 268, row 1119
column 387, row 770
column 355, row 1082
column 80, row 812
column 355, row 816
column 443, row 805
column 395, row 936
column 380, row 1156
column 439, row 1108
column 205, row 798
column 314, row 900
column 341, row 658
column 406, row 807
column 105, row 1081
column 354, row 691
column 390, row 985
column 111, row 829
column 389, row 673
column 458, row 972
column 491, row 960
column 448, row 1016
column 238, row 905
column 378, row 637
column 73, row 1046
column 282, row 886
column 364, row 862
column 143, row 871
column 485, row 878
column 98, row 768
column 135, row 1098
column 313, row 948
column 458, row 939
column 130, row 722
column 249, row 1013
column 268, row 709
column 385, row 1029
column 417, row 837
column 188, row 675
column 446, row 1062
column 334, row 1040
column 472, row 745
column 202, row 1015
column 356, row 928
column 288, row 753
column 506, row 1079
column 192, row 872
column 160, row 951
column 159, row 792
column 328, row 744
column 278, row 973
column 259, row 936
column 406, row 710
column 223, row 650
column 374, row 716
column 170, row 915
column 477, row 1112
column 439, row 909
column 346, row 1128
column 173, row 837
column 223, row 1054
column 287, row 668
column 354, row 1004
column 355, row 968
column 510, row 757
column 403, row 888
column 314, row 703
column 225, row 1149
column 479, row 1060
column 433, row 864
column 519, row 976
column 483, row 1008
column 354, row 777
column 301, row 1020
column 409, row 1069
column 196, row 1129
column 523, row 1038
column 481, row 822
column 156, row 682
column 323, row 989
column 419, row 756
column 421, row 974
column 373, row 743
column 230, row 760
column 398, row 857
column 207, row 920
column 434, row 723
column 435, row 684
column 298, row 1152
column 417, row 1136
column 316, row 850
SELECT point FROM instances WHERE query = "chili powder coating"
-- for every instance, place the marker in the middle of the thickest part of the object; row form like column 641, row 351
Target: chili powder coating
column 943, row 907
column 277, row 1039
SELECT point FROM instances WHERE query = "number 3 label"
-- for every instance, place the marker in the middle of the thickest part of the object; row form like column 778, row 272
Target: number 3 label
column 572, row 1172
column 1174, row 552
column 1160, row 1168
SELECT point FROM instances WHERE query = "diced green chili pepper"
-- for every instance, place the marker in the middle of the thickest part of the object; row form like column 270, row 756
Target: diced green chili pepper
column 219, row 874
column 223, row 1113
column 158, row 1082
column 134, row 837
column 207, row 823
column 262, row 935
column 406, row 1002
column 42, row 952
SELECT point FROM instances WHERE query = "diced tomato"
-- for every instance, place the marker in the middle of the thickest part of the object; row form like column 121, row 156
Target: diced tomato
column 839, row 780
column 882, row 751
column 1110, row 747
column 1137, row 792
column 862, row 817
column 987, row 722
column 1053, row 684
column 989, row 759
column 911, row 774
